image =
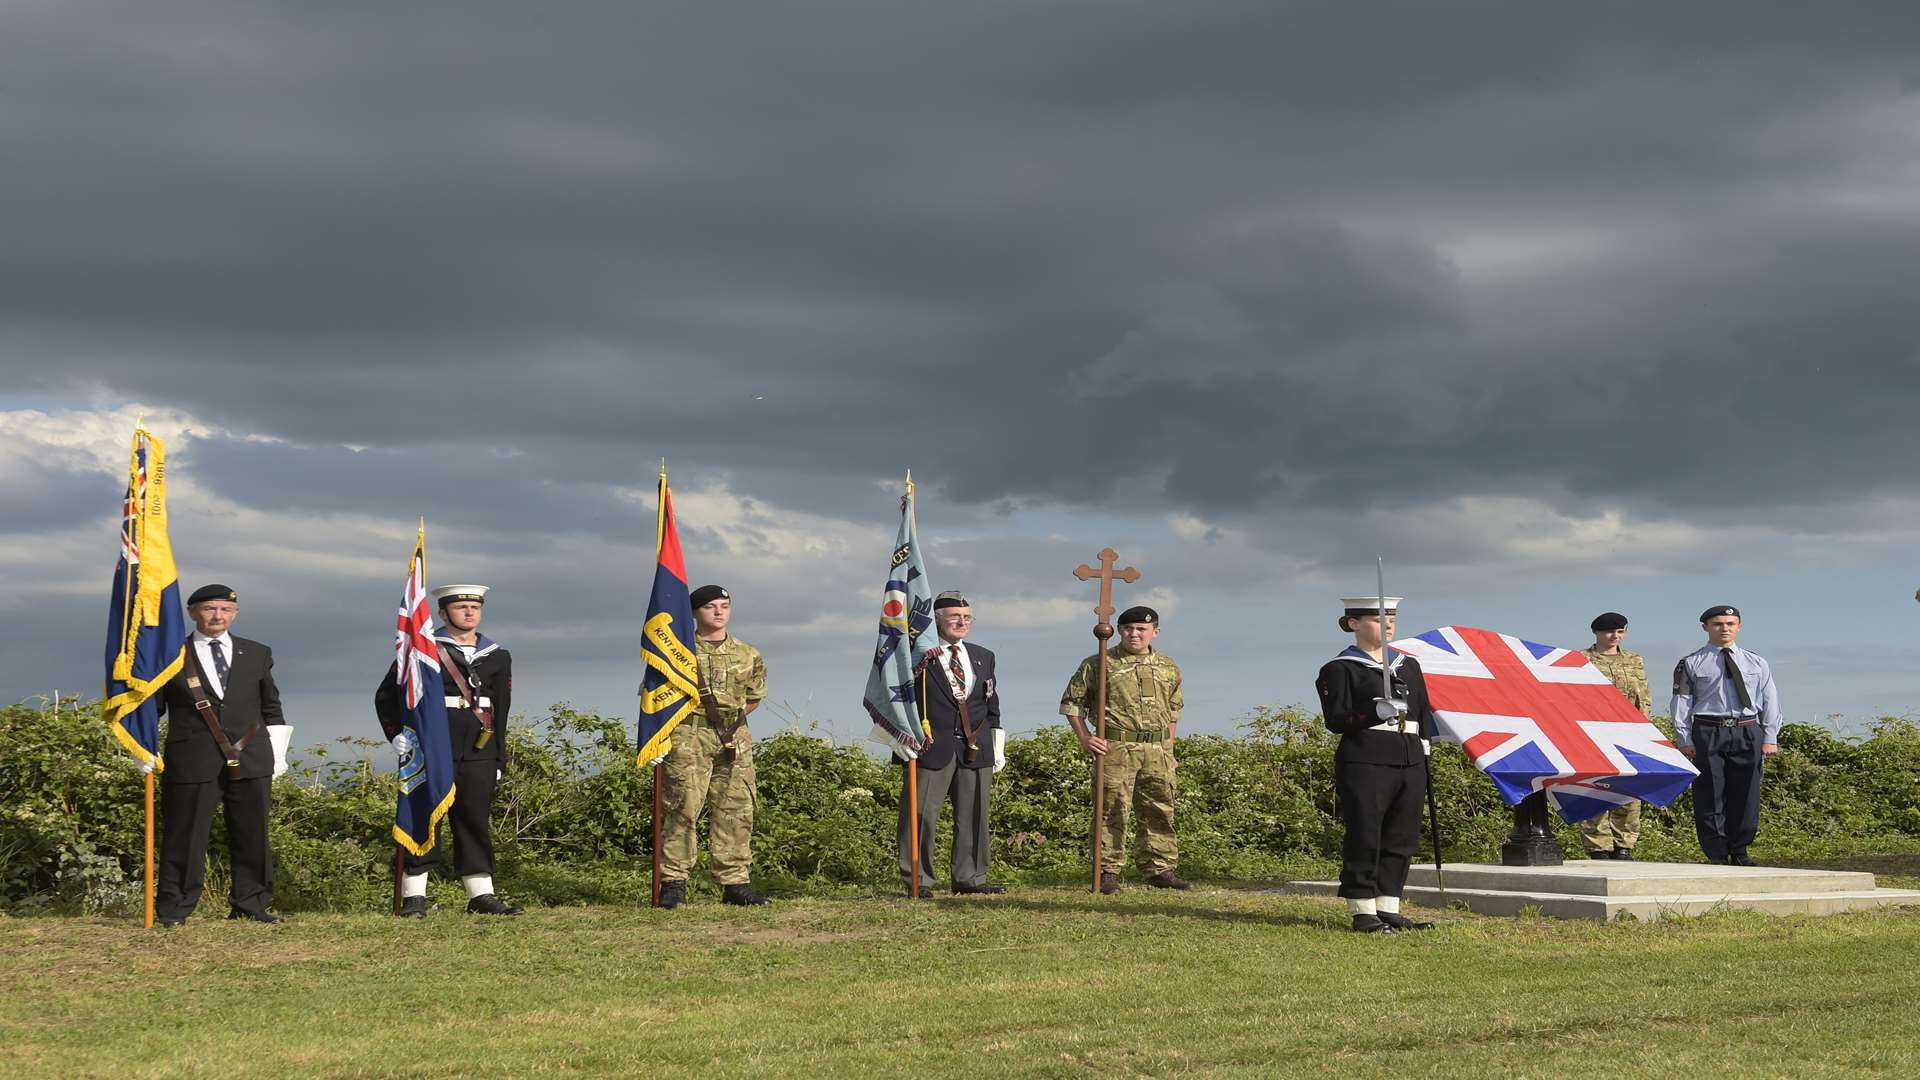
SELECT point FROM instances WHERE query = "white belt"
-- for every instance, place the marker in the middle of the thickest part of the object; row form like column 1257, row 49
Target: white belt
column 457, row 702
column 1404, row 726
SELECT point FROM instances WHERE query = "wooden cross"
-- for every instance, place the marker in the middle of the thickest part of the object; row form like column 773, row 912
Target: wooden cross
column 1106, row 574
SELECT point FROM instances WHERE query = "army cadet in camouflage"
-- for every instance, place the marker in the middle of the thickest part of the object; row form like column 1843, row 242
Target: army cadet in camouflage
column 1143, row 713
column 1613, row 834
column 713, row 769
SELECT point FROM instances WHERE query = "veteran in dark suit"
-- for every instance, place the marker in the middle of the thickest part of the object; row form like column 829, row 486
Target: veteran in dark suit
column 226, row 741
column 962, row 706
column 479, row 686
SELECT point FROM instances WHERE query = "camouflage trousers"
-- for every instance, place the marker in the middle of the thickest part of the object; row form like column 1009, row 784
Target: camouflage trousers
column 1617, row 828
column 698, row 778
column 1140, row 780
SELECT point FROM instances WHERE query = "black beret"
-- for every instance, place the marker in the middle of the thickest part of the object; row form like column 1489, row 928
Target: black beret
column 707, row 594
column 1139, row 614
column 1610, row 620
column 212, row 592
column 950, row 599
column 1718, row 610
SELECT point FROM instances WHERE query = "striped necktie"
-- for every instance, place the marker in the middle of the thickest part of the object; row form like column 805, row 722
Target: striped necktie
column 219, row 663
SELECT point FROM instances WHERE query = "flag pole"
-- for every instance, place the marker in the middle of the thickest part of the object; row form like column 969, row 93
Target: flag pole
column 659, row 768
column 148, row 888
column 126, row 616
column 913, row 763
column 400, row 853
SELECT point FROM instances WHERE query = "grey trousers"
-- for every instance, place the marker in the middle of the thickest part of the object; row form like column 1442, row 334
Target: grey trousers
column 968, row 789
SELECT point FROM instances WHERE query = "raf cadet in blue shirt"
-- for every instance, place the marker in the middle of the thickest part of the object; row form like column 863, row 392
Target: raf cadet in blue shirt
column 1726, row 717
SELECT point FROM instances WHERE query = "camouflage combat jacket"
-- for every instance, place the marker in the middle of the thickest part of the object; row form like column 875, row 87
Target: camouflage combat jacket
column 735, row 674
column 1629, row 674
column 1143, row 692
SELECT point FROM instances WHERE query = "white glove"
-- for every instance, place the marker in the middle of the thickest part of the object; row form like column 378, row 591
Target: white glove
column 656, row 761
column 404, row 743
column 1389, row 710
column 146, row 768
column 281, row 735
column 498, row 776
column 999, row 749
column 902, row 751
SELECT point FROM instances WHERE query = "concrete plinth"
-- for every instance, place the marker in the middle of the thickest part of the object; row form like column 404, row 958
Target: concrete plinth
column 1604, row 889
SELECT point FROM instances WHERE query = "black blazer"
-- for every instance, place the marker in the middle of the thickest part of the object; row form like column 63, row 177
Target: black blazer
column 191, row 756
column 493, row 672
column 943, row 711
column 1347, row 689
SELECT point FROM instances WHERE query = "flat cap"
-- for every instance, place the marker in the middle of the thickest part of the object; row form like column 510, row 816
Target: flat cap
column 213, row 592
column 1718, row 610
column 1139, row 613
column 707, row 594
column 1610, row 620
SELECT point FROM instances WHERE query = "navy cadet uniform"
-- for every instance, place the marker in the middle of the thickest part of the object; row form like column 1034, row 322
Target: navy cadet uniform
column 1725, row 708
column 478, row 734
column 1379, row 772
column 216, row 755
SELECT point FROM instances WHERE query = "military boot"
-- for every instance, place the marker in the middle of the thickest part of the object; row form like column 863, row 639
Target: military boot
column 1167, row 879
column 1370, row 924
column 413, row 907
column 742, row 896
column 673, row 893
column 1109, row 883
column 489, row 904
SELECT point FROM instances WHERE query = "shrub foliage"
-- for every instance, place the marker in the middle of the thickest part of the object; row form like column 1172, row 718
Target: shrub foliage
column 573, row 820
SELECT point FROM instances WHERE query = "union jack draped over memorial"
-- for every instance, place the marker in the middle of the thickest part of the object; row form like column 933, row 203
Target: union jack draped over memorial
column 1539, row 718
column 426, row 772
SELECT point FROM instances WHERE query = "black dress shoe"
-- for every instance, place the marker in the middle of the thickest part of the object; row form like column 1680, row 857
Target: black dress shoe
column 742, row 896
column 979, row 890
column 1624, row 853
column 489, row 904
column 1742, row 859
column 1596, row 854
column 1401, row 922
column 267, row 917
column 413, row 907
column 673, row 894
column 169, row 924
column 1370, row 924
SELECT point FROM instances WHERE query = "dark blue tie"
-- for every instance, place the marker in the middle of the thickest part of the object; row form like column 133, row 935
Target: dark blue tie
column 219, row 664
column 1738, row 681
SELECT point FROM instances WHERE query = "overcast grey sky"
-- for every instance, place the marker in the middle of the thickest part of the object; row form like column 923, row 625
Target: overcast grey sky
column 1559, row 309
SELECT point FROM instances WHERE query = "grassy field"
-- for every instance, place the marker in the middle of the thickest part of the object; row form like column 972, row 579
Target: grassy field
column 1040, row 983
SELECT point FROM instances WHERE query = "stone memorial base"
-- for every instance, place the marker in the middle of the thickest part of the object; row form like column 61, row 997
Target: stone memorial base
column 1605, row 889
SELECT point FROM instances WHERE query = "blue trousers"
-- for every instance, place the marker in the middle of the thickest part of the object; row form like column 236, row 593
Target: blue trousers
column 1726, row 796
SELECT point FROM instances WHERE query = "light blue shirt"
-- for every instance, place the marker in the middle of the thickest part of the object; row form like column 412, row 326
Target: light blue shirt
column 1701, row 686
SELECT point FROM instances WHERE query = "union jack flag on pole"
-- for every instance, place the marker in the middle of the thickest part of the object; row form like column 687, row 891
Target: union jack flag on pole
column 906, row 633
column 670, row 689
column 426, row 772
column 1540, row 718
column 146, row 630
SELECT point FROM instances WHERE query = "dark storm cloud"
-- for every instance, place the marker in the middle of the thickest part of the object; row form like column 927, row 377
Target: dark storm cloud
column 1134, row 258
